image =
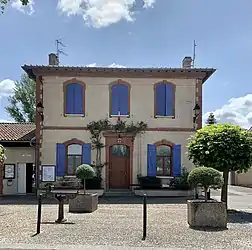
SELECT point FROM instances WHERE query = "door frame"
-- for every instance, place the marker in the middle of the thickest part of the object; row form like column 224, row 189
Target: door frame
column 23, row 173
column 32, row 166
column 126, row 167
column 110, row 140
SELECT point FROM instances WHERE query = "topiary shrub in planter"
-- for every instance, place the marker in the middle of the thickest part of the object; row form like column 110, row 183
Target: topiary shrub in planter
column 96, row 181
column 84, row 203
column 206, row 213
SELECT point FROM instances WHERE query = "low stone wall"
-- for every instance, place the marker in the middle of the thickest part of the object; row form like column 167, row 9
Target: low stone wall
column 164, row 193
column 67, row 181
column 51, row 195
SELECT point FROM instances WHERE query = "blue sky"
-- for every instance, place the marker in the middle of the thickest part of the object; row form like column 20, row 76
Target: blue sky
column 137, row 33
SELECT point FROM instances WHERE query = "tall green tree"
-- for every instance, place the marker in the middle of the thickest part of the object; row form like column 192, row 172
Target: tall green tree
column 211, row 119
column 22, row 104
column 224, row 147
column 3, row 3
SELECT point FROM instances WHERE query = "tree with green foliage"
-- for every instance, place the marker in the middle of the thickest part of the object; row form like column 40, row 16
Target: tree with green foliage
column 206, row 178
column 2, row 153
column 3, row 3
column 211, row 119
column 84, row 172
column 22, row 104
column 224, row 147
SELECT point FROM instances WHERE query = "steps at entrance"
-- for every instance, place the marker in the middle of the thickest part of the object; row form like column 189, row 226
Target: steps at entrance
column 118, row 193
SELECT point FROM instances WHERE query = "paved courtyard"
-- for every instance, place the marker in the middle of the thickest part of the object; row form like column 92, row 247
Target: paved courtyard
column 238, row 197
column 118, row 224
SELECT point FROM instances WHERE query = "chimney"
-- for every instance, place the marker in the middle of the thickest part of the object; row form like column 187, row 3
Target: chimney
column 53, row 60
column 187, row 62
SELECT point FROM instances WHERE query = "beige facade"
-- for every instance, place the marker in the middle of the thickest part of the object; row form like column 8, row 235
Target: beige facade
column 97, row 107
column 51, row 137
column 97, row 101
column 18, row 156
column 132, row 91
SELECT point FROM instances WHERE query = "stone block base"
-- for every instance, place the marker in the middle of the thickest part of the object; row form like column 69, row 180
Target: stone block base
column 212, row 214
column 83, row 203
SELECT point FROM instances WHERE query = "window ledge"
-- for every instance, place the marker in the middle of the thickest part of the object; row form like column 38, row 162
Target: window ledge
column 165, row 177
column 127, row 116
column 74, row 115
column 160, row 116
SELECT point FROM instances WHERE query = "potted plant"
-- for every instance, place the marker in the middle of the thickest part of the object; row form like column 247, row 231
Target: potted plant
column 86, row 202
column 181, row 182
column 206, row 213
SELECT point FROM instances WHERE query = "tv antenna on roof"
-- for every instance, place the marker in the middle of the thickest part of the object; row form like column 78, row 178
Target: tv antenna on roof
column 194, row 53
column 58, row 49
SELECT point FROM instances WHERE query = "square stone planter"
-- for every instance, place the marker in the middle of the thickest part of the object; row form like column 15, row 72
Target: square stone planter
column 83, row 203
column 211, row 214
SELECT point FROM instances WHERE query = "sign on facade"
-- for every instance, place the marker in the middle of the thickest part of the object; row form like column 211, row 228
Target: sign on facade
column 48, row 173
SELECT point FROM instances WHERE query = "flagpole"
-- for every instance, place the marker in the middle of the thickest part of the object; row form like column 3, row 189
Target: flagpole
column 119, row 140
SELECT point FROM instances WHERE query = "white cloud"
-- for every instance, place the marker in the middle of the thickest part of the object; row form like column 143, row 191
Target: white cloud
column 29, row 9
column 237, row 111
column 149, row 3
column 6, row 87
column 102, row 13
column 6, row 121
column 92, row 65
column 113, row 65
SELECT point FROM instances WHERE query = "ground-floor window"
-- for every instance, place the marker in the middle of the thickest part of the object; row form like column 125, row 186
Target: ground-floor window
column 164, row 160
column 74, row 157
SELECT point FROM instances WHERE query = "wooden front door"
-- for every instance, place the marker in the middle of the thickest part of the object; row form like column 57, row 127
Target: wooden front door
column 119, row 167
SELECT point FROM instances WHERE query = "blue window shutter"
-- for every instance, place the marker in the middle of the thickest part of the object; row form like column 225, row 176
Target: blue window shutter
column 115, row 99
column 160, row 99
column 123, row 99
column 151, row 160
column 60, row 159
column 176, row 160
column 86, row 153
column 78, row 99
column 69, row 99
column 169, row 100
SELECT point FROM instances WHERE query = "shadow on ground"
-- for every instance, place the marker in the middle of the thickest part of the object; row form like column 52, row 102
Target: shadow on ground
column 32, row 200
column 55, row 223
column 241, row 217
column 208, row 229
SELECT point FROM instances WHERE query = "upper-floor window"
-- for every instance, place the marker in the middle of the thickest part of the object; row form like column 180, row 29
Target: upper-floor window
column 74, row 158
column 74, row 98
column 164, row 99
column 119, row 98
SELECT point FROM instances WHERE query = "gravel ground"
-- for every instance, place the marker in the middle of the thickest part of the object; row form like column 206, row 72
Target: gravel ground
column 121, row 225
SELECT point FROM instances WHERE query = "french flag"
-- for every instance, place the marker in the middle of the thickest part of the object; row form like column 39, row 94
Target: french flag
column 118, row 117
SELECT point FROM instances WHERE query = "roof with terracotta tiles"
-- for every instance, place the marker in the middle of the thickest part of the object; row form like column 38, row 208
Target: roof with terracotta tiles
column 17, row 131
